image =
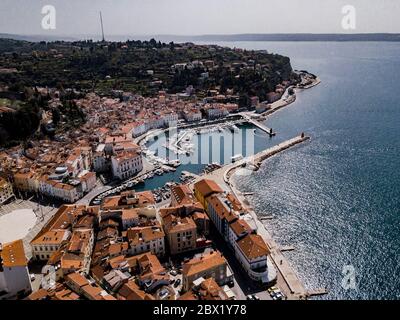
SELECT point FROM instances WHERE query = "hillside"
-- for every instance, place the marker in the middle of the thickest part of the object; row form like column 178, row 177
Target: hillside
column 125, row 66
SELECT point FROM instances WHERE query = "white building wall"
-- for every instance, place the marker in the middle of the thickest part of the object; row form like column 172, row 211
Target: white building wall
column 14, row 280
column 128, row 168
column 157, row 247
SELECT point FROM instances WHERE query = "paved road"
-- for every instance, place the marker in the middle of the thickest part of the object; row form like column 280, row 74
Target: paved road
column 92, row 194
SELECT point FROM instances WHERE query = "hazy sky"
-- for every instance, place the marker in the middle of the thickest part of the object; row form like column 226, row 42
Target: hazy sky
column 194, row 17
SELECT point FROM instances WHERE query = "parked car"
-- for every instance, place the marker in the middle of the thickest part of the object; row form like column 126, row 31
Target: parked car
column 276, row 293
column 255, row 297
column 173, row 273
column 277, row 296
column 32, row 276
column 250, row 297
column 163, row 293
column 177, row 283
column 272, row 289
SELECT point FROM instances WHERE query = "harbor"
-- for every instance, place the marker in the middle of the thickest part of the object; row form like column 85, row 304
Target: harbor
column 182, row 144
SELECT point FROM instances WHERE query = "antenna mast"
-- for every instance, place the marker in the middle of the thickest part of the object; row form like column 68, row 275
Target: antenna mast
column 102, row 29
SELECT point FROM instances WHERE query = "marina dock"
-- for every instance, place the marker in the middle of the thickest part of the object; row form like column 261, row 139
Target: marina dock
column 317, row 292
column 287, row 248
column 259, row 125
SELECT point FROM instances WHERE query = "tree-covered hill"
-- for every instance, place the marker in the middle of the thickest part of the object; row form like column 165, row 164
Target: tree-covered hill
column 87, row 65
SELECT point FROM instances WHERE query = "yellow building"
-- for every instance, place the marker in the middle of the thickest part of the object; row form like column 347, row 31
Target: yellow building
column 6, row 191
column 205, row 188
column 208, row 265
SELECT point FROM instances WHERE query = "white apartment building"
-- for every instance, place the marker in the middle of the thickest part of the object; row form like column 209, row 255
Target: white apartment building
column 44, row 245
column 145, row 239
column 126, row 164
column 252, row 253
column 139, row 128
column 14, row 274
column 66, row 192
column 170, row 119
column 215, row 113
column 192, row 115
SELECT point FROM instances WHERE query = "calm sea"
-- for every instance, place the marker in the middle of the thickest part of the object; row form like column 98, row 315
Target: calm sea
column 336, row 199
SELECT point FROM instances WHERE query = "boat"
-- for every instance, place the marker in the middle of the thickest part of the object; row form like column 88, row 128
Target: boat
column 236, row 158
column 235, row 128
column 174, row 163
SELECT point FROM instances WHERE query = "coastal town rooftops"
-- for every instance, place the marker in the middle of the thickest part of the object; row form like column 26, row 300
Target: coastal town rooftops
column 234, row 202
column 12, row 254
column 117, row 248
column 138, row 235
column 71, row 261
column 204, row 262
column 183, row 194
column 76, row 279
column 129, row 214
column 41, row 294
column 207, row 187
column 253, row 246
column 210, row 290
column 63, row 218
column 79, row 240
column 188, row 296
column 149, row 266
column 116, row 138
column 94, row 293
column 129, row 200
column 240, row 227
column 223, row 207
column 54, row 237
column 125, row 156
column 131, row 291
column 173, row 223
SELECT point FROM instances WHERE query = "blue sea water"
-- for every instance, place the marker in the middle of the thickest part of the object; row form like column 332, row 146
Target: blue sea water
column 336, row 199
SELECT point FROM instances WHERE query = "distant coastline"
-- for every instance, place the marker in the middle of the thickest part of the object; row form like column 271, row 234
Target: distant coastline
column 311, row 37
